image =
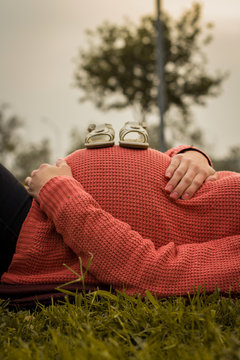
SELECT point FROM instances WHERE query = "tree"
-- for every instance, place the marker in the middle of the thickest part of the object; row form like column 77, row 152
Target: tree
column 17, row 155
column 29, row 158
column 77, row 140
column 118, row 69
column 231, row 162
column 9, row 137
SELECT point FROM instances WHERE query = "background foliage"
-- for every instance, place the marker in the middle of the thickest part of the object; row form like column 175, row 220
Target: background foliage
column 17, row 155
column 118, row 70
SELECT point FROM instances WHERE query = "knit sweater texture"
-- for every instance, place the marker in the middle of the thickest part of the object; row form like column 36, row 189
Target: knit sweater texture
column 115, row 208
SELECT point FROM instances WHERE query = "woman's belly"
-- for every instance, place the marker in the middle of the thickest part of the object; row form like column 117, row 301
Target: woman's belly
column 130, row 184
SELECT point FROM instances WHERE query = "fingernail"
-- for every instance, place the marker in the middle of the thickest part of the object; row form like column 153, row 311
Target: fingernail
column 174, row 195
column 168, row 174
column 169, row 188
column 186, row 196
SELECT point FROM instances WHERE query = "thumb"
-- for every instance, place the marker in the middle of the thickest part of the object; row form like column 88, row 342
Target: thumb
column 60, row 162
column 212, row 177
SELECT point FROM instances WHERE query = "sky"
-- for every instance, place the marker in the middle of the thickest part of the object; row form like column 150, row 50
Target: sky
column 40, row 40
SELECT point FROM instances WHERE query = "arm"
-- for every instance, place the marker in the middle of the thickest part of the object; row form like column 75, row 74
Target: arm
column 122, row 257
column 188, row 170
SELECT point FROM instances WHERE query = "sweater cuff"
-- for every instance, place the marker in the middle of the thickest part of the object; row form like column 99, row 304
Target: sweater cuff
column 56, row 193
column 183, row 148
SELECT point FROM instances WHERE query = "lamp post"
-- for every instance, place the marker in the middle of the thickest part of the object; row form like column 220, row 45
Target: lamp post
column 160, row 75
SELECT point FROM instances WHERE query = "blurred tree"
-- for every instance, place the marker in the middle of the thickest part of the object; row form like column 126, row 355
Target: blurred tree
column 9, row 137
column 118, row 69
column 231, row 162
column 30, row 157
column 17, row 155
column 77, row 140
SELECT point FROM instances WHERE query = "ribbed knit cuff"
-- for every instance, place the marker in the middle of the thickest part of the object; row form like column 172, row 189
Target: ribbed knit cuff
column 183, row 148
column 56, row 193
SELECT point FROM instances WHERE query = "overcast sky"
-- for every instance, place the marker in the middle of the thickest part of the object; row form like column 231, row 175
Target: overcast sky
column 39, row 40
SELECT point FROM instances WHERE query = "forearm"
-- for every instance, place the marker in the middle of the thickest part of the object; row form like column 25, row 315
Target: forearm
column 122, row 257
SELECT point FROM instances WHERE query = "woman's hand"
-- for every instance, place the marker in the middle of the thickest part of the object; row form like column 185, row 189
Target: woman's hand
column 39, row 177
column 187, row 172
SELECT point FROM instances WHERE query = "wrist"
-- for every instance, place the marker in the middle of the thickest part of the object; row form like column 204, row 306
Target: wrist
column 196, row 153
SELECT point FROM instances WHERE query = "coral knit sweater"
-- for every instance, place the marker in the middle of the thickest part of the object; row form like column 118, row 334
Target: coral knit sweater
column 116, row 208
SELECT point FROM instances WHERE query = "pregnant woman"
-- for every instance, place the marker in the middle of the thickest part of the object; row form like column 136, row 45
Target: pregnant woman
column 152, row 221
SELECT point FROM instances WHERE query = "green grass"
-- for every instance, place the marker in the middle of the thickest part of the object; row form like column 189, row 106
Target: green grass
column 103, row 325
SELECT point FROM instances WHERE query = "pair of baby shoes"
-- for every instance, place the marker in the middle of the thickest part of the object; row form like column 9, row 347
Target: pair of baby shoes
column 132, row 135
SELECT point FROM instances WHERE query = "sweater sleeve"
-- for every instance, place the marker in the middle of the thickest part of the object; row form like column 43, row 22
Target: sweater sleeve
column 123, row 258
column 183, row 148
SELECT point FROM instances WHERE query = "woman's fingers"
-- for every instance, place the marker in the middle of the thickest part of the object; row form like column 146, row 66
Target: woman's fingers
column 33, row 172
column 212, row 177
column 60, row 162
column 175, row 162
column 28, row 181
column 196, row 183
column 175, row 172
column 181, row 180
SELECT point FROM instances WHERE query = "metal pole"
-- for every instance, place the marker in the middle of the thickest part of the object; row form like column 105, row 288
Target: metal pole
column 160, row 74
